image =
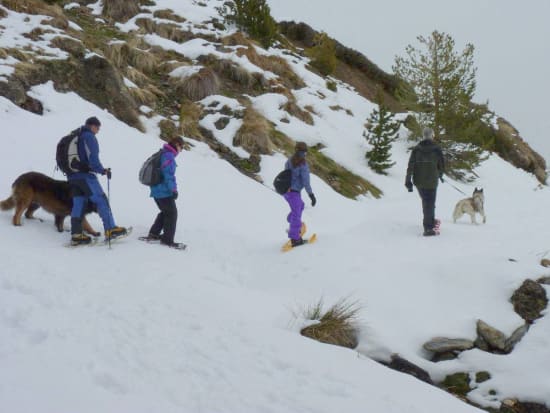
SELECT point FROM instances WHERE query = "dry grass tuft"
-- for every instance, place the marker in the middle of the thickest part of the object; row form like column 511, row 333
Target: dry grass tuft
column 232, row 71
column 34, row 7
column 120, row 10
column 168, row 31
column 168, row 14
column 293, row 109
column 254, row 134
column 200, row 85
column 124, row 54
column 336, row 326
column 274, row 64
column 190, row 114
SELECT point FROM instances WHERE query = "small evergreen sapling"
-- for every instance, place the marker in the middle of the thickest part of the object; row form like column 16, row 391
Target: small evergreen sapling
column 381, row 132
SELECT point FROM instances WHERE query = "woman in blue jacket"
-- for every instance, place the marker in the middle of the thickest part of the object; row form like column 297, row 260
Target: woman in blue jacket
column 165, row 194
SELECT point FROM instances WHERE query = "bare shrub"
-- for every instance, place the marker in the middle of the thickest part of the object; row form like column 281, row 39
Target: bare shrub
column 338, row 325
column 254, row 134
column 120, row 10
column 200, row 85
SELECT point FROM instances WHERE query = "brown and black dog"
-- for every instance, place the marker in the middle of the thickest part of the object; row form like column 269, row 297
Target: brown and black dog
column 33, row 190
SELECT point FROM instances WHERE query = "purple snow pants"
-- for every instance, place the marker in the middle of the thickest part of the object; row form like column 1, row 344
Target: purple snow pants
column 295, row 217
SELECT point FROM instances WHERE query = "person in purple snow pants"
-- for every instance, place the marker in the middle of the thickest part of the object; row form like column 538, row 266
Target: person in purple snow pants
column 300, row 179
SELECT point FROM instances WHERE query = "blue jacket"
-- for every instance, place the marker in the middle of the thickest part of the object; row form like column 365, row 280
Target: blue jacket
column 168, row 185
column 300, row 177
column 88, row 152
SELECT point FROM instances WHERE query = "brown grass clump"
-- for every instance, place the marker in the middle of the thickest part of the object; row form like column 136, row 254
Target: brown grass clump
column 190, row 114
column 336, row 326
column 200, row 85
column 34, row 7
column 232, row 71
column 254, row 134
column 124, row 54
column 293, row 109
column 168, row 14
column 120, row 10
column 168, row 31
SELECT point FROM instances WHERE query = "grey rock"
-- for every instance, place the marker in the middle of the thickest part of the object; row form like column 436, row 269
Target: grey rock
column 516, row 337
column 494, row 338
column 529, row 300
column 444, row 345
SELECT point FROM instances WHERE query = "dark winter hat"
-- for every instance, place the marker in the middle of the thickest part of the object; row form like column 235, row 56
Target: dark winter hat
column 178, row 141
column 93, row 121
column 300, row 147
column 428, row 133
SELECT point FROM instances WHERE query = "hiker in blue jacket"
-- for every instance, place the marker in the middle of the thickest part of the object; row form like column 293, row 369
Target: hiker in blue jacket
column 300, row 179
column 86, row 187
column 165, row 194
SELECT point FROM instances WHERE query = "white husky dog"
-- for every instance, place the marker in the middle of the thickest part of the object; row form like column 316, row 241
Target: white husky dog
column 471, row 206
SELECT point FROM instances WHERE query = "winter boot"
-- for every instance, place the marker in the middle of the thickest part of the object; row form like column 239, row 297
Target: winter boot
column 80, row 239
column 153, row 237
column 115, row 232
column 429, row 233
column 175, row 245
column 297, row 242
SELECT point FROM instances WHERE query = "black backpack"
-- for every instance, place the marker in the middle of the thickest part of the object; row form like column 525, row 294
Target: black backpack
column 66, row 155
column 282, row 181
column 150, row 173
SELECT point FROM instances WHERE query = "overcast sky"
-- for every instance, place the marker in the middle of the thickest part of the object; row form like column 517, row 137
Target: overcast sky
column 511, row 40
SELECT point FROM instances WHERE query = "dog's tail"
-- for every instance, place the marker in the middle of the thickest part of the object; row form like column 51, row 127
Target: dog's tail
column 7, row 204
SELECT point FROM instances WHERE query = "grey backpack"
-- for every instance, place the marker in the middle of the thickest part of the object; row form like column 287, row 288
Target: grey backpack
column 150, row 173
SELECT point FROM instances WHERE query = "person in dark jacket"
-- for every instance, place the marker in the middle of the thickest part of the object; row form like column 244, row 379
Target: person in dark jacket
column 300, row 179
column 165, row 194
column 85, row 186
column 426, row 166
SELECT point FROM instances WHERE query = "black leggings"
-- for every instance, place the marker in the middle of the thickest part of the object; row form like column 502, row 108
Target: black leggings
column 166, row 220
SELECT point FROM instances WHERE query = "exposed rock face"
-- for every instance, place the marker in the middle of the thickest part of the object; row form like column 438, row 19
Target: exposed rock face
column 405, row 366
column 529, row 300
column 512, row 148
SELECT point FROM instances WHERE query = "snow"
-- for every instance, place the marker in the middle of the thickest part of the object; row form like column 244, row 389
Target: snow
column 140, row 328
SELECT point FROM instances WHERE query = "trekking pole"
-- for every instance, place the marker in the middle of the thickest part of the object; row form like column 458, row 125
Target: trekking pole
column 109, row 204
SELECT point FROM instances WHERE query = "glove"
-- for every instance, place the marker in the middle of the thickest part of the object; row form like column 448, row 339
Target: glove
column 409, row 186
column 107, row 172
column 175, row 195
column 313, row 199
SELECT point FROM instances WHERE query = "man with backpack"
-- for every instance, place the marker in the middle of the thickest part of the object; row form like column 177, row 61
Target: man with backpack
column 85, row 185
column 426, row 166
column 165, row 194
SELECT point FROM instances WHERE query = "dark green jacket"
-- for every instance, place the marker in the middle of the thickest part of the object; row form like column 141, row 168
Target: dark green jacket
column 426, row 165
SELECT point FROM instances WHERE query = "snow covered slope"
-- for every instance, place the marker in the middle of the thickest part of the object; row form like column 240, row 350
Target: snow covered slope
column 140, row 328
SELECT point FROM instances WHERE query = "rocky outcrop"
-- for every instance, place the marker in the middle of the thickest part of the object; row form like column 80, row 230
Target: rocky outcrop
column 512, row 148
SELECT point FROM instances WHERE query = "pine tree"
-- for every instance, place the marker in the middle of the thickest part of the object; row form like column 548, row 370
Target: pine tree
column 381, row 132
column 253, row 17
column 439, row 85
